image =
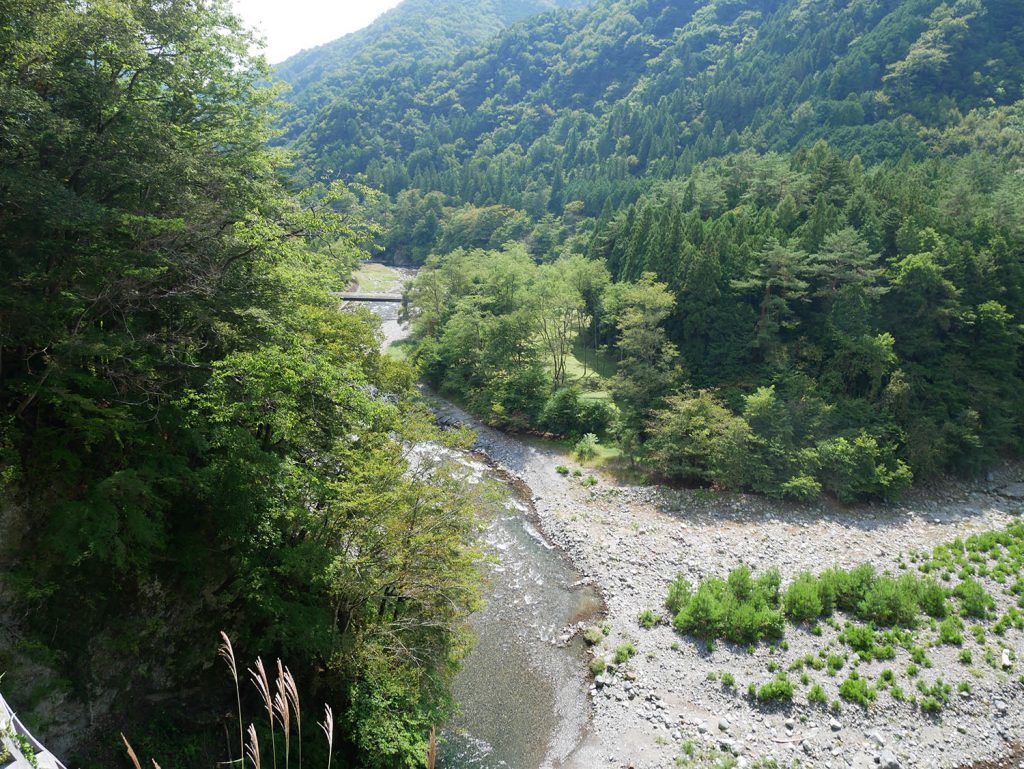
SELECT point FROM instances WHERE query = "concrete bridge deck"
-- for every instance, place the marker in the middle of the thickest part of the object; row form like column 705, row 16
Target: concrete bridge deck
column 359, row 296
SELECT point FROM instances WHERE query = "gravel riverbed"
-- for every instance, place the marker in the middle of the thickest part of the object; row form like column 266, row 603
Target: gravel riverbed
column 630, row 542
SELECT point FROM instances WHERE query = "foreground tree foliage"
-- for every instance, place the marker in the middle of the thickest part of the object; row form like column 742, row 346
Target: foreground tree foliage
column 192, row 435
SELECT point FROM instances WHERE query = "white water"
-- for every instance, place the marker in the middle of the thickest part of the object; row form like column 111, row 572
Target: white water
column 523, row 700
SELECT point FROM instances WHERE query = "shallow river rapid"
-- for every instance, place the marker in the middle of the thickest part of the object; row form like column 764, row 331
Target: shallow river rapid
column 523, row 700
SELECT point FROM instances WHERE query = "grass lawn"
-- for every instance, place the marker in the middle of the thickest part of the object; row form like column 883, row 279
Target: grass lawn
column 589, row 370
column 376, row 278
column 607, row 456
column 400, row 350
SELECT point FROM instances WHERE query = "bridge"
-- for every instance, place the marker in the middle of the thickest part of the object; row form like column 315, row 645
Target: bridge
column 357, row 296
column 13, row 736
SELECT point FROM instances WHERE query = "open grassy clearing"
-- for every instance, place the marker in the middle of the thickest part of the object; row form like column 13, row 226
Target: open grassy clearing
column 589, row 368
column 374, row 278
column 401, row 349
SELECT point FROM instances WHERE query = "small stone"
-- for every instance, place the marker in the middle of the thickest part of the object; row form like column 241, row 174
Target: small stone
column 1014, row 491
column 834, row 725
column 875, row 737
column 723, row 724
column 1006, row 660
column 790, row 724
column 887, row 760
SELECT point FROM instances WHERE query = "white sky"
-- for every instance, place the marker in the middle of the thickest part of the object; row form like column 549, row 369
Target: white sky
column 291, row 25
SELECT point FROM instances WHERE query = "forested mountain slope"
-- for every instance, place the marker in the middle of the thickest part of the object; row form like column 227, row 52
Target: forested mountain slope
column 402, row 43
column 628, row 88
column 808, row 209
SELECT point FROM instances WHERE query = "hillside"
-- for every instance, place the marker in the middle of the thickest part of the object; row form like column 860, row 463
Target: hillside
column 400, row 44
column 623, row 90
column 812, row 206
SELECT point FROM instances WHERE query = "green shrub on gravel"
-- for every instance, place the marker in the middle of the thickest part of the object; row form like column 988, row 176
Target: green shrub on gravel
column 679, row 594
column 936, row 696
column 740, row 609
column 745, row 610
column 860, row 638
column 835, row 663
column 598, row 665
column 891, row 601
column 951, row 631
column 802, row 600
column 593, row 635
column 974, row 599
column 931, row 598
column 624, row 652
column 855, row 689
column 647, row 619
column 778, row 690
column 849, row 587
column 817, row 695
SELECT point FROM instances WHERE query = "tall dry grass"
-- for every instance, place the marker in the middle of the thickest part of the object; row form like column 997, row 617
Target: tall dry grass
column 283, row 707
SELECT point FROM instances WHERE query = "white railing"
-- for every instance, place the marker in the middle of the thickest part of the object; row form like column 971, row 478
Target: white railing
column 11, row 756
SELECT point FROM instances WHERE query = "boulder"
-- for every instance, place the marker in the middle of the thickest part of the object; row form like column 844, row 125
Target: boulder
column 887, row 760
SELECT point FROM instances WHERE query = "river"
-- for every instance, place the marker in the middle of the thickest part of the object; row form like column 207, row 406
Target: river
column 522, row 696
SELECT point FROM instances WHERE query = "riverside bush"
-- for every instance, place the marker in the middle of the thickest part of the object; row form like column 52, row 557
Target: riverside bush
column 624, row 652
column 738, row 609
column 802, row 600
column 568, row 414
column 891, row 601
column 931, row 597
column 586, row 448
column 860, row 638
column 974, row 599
column 679, row 594
column 850, row 587
column 855, row 689
column 745, row 610
column 951, row 631
column 883, row 600
column 593, row 635
column 817, row 695
column 778, row 690
column 935, row 697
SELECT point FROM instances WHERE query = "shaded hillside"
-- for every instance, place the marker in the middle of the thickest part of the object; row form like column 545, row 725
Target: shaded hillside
column 400, row 44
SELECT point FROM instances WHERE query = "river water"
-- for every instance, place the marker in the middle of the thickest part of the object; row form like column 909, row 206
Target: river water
column 522, row 698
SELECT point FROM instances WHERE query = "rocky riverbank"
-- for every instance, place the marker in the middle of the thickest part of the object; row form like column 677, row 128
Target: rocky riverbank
column 668, row 701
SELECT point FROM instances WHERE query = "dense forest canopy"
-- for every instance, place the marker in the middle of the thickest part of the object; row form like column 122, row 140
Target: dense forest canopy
column 398, row 46
column 818, row 204
column 194, row 438
column 593, row 103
